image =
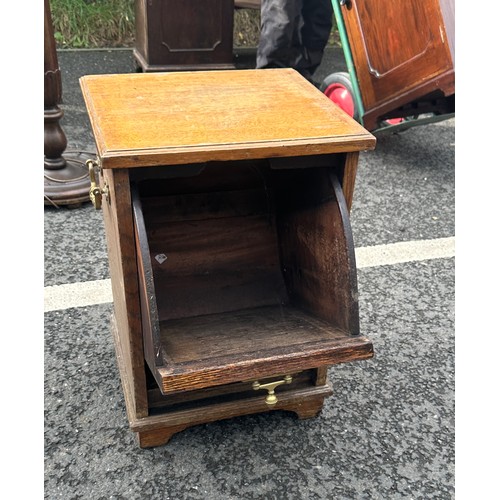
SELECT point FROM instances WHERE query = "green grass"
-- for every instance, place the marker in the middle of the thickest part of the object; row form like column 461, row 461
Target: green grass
column 111, row 23
column 93, row 23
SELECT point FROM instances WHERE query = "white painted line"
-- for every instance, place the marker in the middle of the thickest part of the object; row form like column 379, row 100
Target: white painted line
column 405, row 251
column 83, row 294
column 99, row 292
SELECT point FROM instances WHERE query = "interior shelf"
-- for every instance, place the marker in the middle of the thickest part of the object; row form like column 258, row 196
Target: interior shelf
column 248, row 343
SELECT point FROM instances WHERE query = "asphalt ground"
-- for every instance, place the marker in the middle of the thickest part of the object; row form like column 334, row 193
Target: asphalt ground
column 388, row 432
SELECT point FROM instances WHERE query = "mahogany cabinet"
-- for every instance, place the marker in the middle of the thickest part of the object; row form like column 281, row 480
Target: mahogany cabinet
column 183, row 34
column 230, row 250
column 403, row 55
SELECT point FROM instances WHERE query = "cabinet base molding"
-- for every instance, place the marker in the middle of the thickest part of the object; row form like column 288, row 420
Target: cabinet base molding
column 142, row 65
column 157, row 430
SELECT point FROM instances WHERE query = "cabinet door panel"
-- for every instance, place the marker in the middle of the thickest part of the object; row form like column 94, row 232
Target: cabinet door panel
column 190, row 31
column 396, row 46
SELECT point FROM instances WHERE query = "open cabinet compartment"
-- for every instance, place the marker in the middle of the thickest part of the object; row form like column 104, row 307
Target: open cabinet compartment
column 246, row 271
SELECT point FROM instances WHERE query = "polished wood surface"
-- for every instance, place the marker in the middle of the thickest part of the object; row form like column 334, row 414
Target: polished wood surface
column 184, row 34
column 231, row 258
column 66, row 180
column 176, row 118
column 403, row 50
column 55, row 140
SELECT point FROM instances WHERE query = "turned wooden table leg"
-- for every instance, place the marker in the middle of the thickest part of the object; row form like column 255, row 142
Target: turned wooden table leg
column 66, row 178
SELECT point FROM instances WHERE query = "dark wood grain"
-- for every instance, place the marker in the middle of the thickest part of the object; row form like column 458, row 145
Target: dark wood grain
column 401, row 52
column 396, row 45
column 227, row 392
column 55, row 140
column 120, row 239
column 156, row 430
column 317, row 250
column 218, row 349
column 347, row 177
column 184, row 34
column 221, row 269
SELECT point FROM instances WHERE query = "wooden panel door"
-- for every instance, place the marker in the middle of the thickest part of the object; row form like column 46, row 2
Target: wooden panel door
column 184, row 34
column 399, row 47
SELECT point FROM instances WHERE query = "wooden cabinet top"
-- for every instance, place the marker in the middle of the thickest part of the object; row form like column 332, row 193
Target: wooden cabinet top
column 175, row 118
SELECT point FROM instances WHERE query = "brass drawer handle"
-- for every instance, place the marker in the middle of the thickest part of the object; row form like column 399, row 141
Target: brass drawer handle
column 271, row 398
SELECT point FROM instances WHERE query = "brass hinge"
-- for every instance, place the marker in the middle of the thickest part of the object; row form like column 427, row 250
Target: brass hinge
column 96, row 192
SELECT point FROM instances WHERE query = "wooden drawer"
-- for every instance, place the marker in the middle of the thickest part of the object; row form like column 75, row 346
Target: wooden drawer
column 239, row 392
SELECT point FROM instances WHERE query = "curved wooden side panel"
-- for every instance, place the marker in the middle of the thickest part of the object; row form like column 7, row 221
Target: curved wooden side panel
column 317, row 249
column 351, row 296
column 147, row 294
